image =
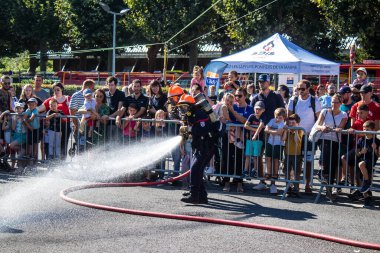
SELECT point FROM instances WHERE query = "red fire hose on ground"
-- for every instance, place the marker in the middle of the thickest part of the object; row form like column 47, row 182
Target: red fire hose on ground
column 64, row 195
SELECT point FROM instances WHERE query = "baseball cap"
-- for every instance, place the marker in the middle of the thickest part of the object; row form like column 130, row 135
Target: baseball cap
column 260, row 105
column 17, row 104
column 366, row 88
column 87, row 92
column 264, row 78
column 32, row 100
column 362, row 69
column 344, row 89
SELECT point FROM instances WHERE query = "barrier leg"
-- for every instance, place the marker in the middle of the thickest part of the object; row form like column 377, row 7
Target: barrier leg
column 316, row 201
column 285, row 191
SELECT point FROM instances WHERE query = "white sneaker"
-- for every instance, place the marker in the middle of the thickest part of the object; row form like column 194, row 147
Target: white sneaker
column 273, row 189
column 210, row 170
column 260, row 187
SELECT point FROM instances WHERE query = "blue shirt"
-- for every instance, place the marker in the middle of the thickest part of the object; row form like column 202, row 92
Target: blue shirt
column 347, row 109
column 35, row 123
column 272, row 102
column 325, row 101
column 243, row 111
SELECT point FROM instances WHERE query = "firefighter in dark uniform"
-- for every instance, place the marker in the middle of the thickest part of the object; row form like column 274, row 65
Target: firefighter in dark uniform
column 204, row 131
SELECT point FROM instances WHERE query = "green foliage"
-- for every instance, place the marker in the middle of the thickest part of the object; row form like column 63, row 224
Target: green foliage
column 42, row 31
column 158, row 21
column 357, row 19
column 18, row 63
column 299, row 20
column 316, row 25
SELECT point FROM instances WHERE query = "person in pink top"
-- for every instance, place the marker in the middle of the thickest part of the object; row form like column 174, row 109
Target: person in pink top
column 198, row 77
column 129, row 126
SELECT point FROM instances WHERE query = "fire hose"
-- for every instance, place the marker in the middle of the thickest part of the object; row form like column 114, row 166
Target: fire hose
column 64, row 195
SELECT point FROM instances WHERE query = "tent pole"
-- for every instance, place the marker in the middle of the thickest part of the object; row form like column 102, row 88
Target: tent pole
column 338, row 82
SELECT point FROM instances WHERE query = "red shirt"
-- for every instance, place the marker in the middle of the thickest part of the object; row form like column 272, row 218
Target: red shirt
column 64, row 106
column 374, row 111
column 358, row 124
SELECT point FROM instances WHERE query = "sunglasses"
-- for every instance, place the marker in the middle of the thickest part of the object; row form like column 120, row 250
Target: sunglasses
column 301, row 89
column 6, row 83
column 238, row 96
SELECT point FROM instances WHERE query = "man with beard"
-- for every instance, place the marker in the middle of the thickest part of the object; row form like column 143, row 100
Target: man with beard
column 5, row 95
column 38, row 90
column 271, row 99
column 5, row 105
column 115, row 99
column 136, row 98
column 308, row 108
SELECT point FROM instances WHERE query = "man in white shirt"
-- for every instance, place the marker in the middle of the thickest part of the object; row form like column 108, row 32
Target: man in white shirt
column 308, row 108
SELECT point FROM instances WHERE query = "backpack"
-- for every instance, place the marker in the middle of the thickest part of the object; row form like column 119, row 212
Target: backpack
column 312, row 103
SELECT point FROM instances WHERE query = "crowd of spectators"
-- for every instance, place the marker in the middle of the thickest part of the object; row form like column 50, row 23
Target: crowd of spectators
column 260, row 124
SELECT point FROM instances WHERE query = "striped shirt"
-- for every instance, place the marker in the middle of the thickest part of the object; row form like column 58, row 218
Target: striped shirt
column 77, row 101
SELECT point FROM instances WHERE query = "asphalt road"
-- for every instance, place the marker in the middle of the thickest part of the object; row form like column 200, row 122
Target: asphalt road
column 35, row 219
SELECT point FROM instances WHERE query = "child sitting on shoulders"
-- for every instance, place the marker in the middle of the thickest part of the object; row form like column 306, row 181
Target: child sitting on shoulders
column 89, row 105
column 198, row 77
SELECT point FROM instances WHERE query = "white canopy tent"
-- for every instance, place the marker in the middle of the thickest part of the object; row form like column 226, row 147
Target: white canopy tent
column 278, row 55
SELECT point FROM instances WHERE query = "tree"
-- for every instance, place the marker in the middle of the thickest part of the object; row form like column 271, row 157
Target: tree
column 35, row 27
column 8, row 43
column 159, row 20
column 299, row 20
column 357, row 19
column 85, row 25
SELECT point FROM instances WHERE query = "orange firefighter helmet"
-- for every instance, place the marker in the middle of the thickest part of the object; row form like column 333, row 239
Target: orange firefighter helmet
column 175, row 90
column 186, row 99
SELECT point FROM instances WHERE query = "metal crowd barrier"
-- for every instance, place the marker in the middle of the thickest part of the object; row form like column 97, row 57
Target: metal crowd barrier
column 232, row 160
column 61, row 141
column 341, row 173
column 26, row 144
column 49, row 144
column 108, row 135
